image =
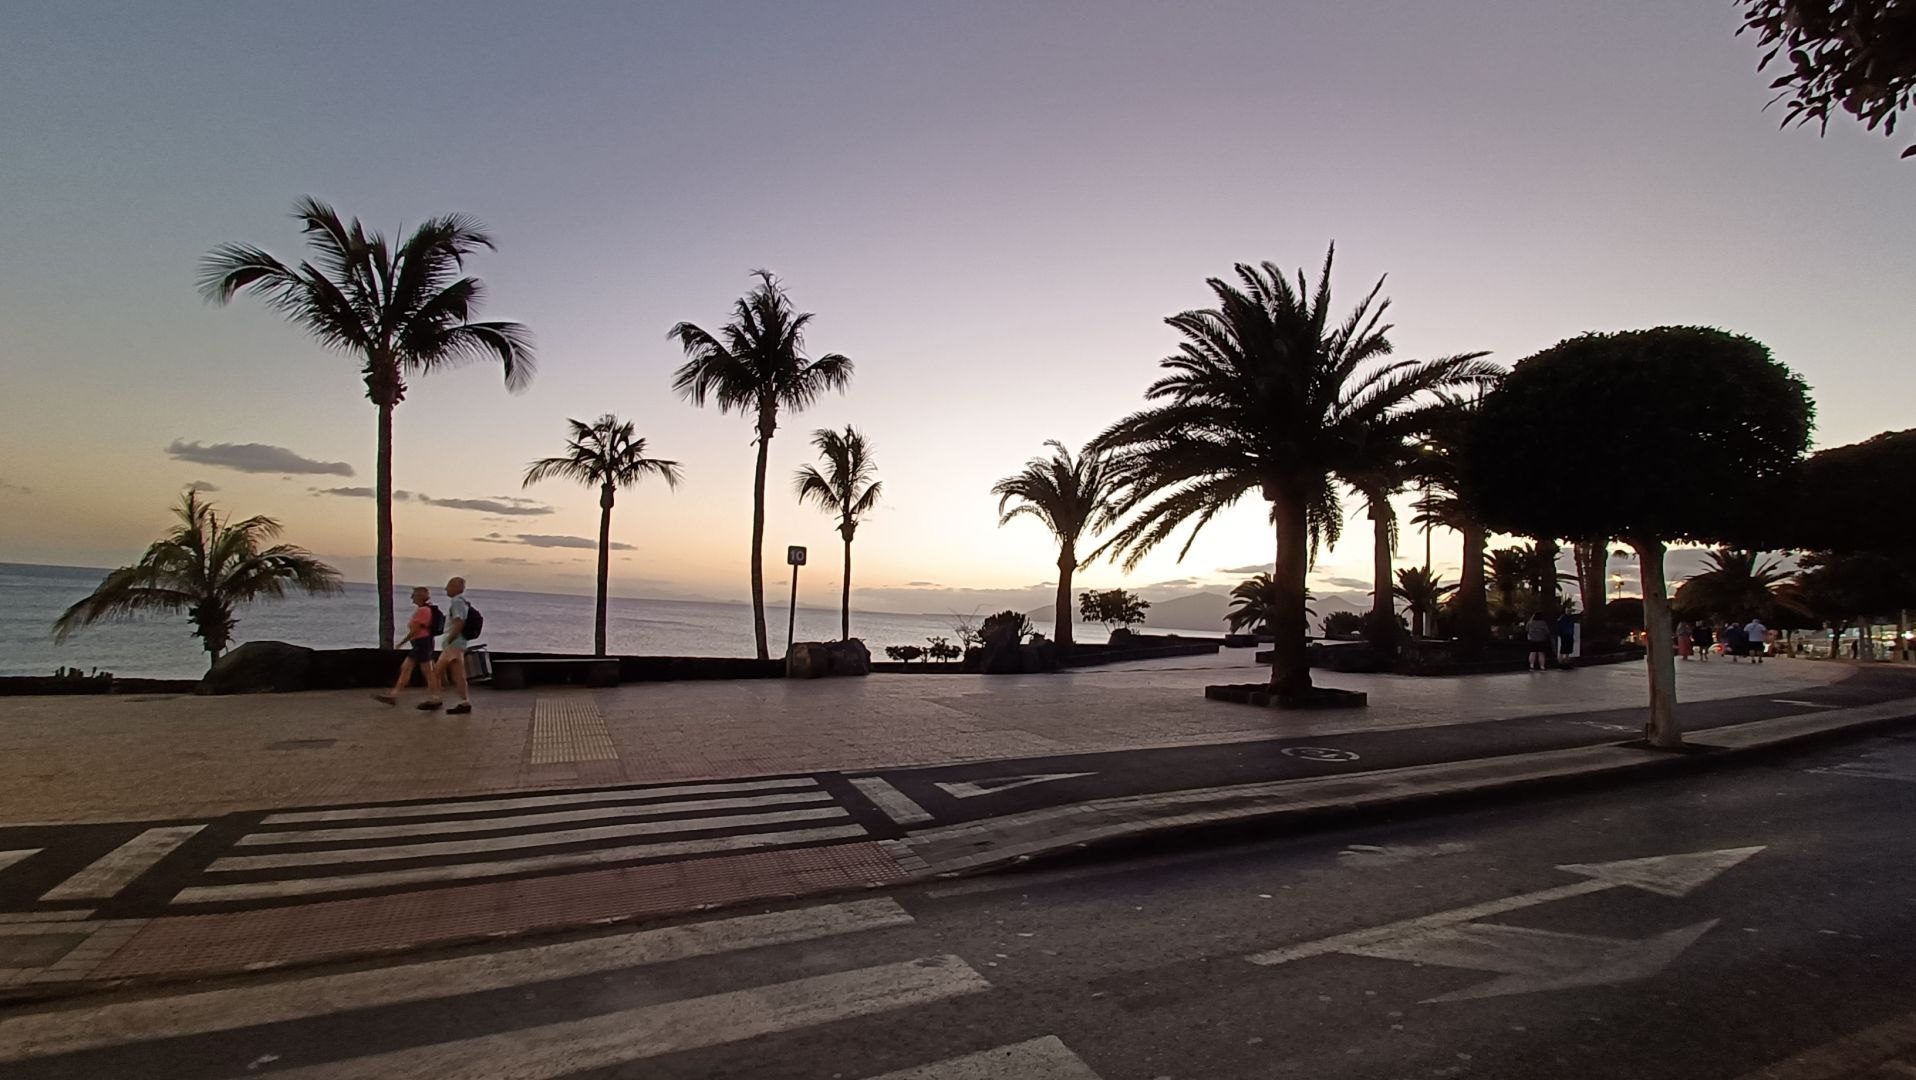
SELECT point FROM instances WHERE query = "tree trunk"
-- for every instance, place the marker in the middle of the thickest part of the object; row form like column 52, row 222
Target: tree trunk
column 383, row 530
column 1290, row 663
column 1062, row 615
column 845, row 596
column 605, row 567
column 765, row 426
column 1473, row 603
column 1661, row 730
column 1593, row 563
column 1383, row 606
column 1545, row 583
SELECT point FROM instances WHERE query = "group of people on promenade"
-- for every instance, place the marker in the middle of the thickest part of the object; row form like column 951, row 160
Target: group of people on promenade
column 453, row 630
column 1751, row 639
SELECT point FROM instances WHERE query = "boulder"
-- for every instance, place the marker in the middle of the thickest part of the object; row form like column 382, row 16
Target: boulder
column 849, row 657
column 807, row 660
column 1039, row 657
column 260, row 667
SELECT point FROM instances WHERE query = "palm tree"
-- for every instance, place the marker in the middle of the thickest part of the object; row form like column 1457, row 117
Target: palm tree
column 846, row 488
column 1266, row 394
column 1254, row 604
column 1421, row 591
column 608, row 454
column 1445, row 504
column 205, row 567
column 1072, row 497
column 1375, row 480
column 756, row 365
column 1734, row 584
column 1510, row 574
column 401, row 312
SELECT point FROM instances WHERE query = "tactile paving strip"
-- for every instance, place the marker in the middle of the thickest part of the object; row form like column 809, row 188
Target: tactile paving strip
column 567, row 729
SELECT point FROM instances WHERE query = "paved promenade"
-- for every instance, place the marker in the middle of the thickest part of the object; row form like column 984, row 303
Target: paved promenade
column 171, row 836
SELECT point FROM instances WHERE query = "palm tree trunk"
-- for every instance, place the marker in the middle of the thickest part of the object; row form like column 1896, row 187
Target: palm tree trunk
column 1593, row 560
column 758, row 532
column 1061, row 616
column 383, row 516
column 1661, row 730
column 1473, row 604
column 1290, row 664
column 845, row 597
column 605, row 567
column 1383, row 609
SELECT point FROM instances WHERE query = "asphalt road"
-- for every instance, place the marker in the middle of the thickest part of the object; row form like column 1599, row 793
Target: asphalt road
column 1525, row 939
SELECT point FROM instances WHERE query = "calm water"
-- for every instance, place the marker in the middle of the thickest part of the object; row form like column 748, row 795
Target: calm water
column 31, row 597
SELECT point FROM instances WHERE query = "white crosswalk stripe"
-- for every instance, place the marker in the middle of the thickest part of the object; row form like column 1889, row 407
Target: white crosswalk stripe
column 418, row 845
column 1037, row 1059
column 116, row 869
column 117, row 1023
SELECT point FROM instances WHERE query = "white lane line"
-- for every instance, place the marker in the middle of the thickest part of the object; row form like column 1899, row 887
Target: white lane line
column 897, row 805
column 342, row 833
column 116, row 869
column 476, row 806
column 598, row 1042
column 489, row 844
column 8, row 858
column 45, row 1034
column 267, row 890
column 1799, row 701
column 1407, row 927
column 1037, row 1059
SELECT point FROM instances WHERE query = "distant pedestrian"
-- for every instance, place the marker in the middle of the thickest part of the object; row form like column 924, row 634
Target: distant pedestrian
column 1758, row 636
column 1705, row 640
column 426, row 624
column 1735, row 641
column 1566, row 637
column 461, row 628
column 1537, row 632
column 1685, row 639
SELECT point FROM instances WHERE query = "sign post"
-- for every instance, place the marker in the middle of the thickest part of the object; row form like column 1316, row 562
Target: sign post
column 795, row 558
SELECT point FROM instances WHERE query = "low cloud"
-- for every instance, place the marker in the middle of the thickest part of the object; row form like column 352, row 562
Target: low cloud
column 365, row 493
column 1345, row 582
column 511, row 560
column 507, row 507
column 17, row 489
column 922, row 585
column 202, row 485
column 254, row 458
column 1254, row 568
column 540, row 540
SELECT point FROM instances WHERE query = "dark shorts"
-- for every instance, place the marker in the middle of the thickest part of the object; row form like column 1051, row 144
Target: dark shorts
column 420, row 649
column 1540, row 646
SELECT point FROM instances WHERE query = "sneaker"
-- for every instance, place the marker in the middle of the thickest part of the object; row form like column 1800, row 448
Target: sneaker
column 386, row 699
column 431, row 706
column 460, row 709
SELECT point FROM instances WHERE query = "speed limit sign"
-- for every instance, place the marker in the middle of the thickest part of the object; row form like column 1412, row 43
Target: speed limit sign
column 795, row 555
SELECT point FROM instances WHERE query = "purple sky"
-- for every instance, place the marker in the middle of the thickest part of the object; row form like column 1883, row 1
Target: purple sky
column 991, row 207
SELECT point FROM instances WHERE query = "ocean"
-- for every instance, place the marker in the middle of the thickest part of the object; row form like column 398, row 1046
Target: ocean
column 161, row 647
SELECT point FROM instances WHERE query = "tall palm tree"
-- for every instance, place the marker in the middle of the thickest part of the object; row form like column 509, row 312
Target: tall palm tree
column 1421, row 592
column 1445, row 504
column 1267, row 394
column 206, row 566
column 1254, row 604
column 1381, row 475
column 1072, row 497
column 1734, row 584
column 848, row 488
column 401, row 312
column 756, row 365
column 1510, row 573
column 606, row 453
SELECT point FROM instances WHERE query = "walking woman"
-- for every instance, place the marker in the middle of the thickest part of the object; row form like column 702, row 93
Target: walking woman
column 1705, row 639
column 1685, row 638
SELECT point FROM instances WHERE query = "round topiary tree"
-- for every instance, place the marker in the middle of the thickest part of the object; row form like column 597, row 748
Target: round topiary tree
column 1698, row 427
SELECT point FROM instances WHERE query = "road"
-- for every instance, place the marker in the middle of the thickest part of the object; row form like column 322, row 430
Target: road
column 1707, row 925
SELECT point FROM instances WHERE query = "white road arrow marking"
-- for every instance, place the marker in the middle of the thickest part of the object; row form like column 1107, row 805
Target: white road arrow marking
column 973, row 789
column 1666, row 875
column 1533, row 960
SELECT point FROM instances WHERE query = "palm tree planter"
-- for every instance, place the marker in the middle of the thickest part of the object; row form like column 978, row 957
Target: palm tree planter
column 608, row 454
column 205, row 567
column 848, row 489
column 402, row 313
column 756, row 365
column 1268, row 394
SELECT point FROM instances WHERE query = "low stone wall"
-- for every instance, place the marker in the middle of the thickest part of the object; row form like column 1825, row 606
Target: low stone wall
column 24, row 685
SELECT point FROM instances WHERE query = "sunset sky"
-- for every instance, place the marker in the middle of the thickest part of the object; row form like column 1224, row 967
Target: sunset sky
column 990, row 206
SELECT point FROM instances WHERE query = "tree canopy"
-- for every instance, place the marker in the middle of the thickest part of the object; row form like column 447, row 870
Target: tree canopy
column 1855, row 55
column 1859, row 497
column 1112, row 607
column 1700, row 426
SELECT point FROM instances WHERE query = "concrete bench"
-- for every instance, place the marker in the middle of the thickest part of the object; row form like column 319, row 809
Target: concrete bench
column 595, row 671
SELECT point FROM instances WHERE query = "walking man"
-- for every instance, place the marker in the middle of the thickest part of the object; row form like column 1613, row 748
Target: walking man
column 1759, row 636
column 426, row 623
column 452, row 656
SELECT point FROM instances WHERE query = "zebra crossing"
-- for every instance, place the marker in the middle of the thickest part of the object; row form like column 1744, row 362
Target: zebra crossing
column 222, row 1032
column 362, row 850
